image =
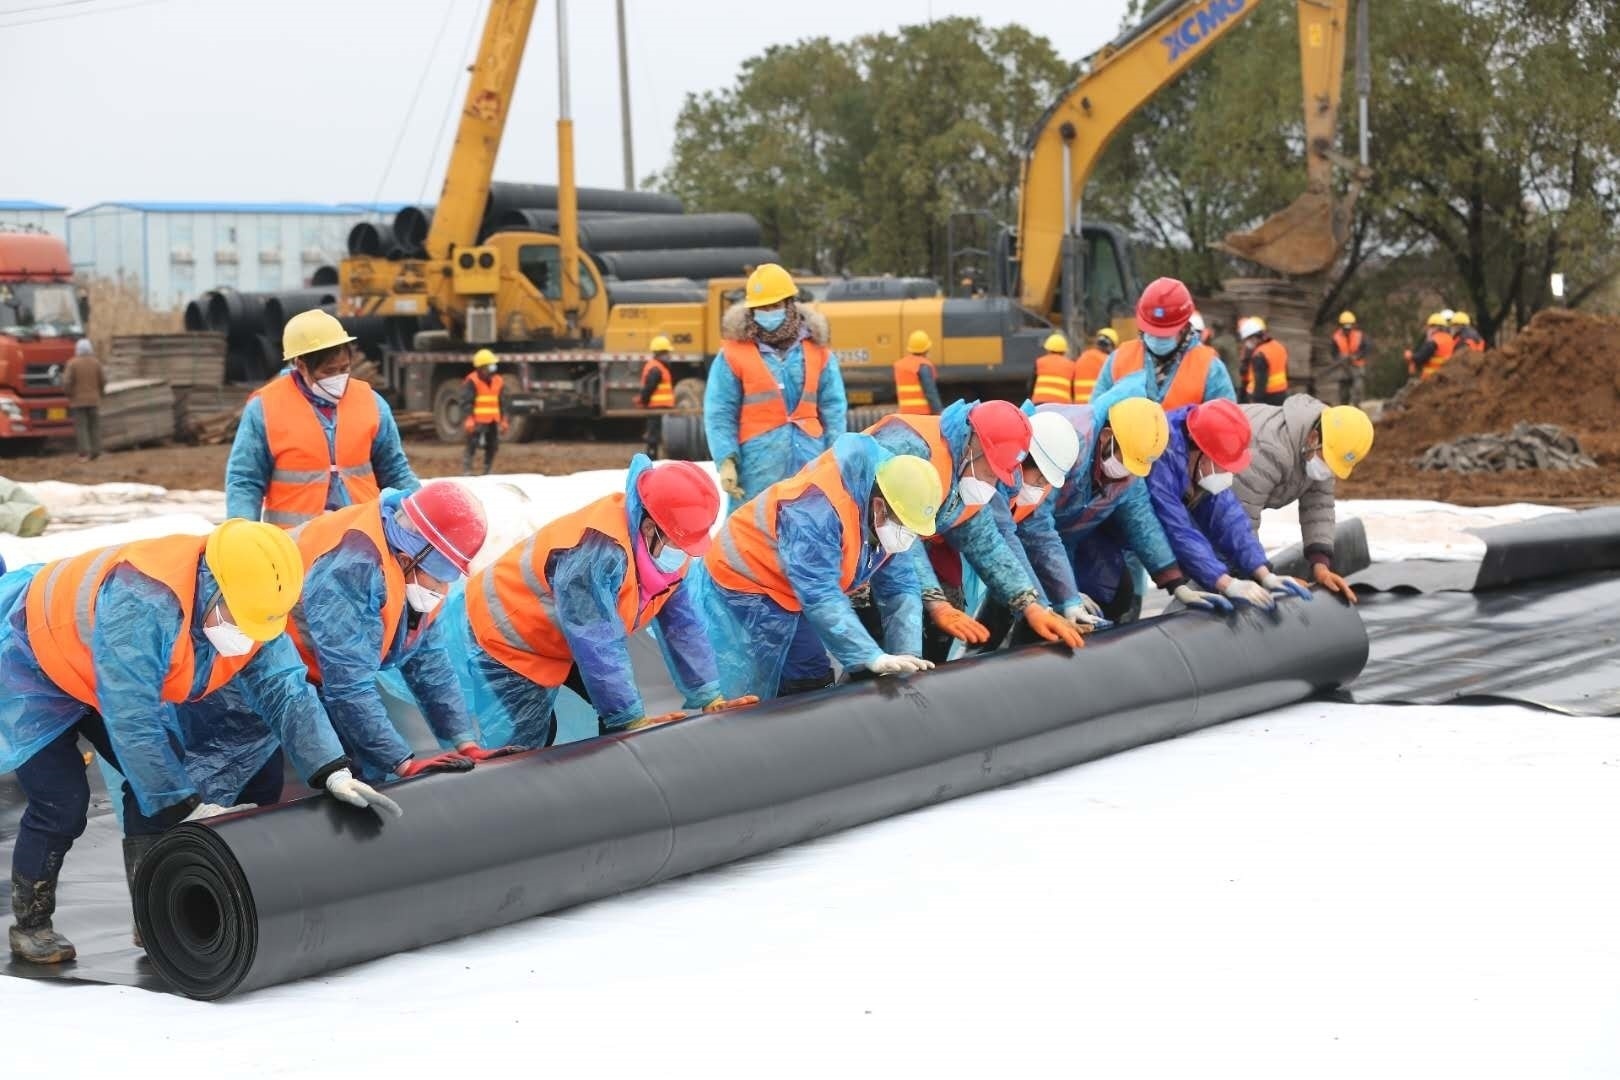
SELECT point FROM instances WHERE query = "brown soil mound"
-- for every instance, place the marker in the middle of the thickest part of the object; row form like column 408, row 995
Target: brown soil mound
column 1564, row 369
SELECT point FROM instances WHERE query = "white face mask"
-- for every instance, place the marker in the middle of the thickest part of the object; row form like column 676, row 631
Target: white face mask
column 975, row 492
column 895, row 537
column 1115, row 469
column 332, row 386
column 1029, row 495
column 1215, row 483
column 1317, row 469
column 421, row 598
column 228, row 639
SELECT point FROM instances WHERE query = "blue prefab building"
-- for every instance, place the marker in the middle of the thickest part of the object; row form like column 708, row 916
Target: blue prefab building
column 27, row 214
column 176, row 250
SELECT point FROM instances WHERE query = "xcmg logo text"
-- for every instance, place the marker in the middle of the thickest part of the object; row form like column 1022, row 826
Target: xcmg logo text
column 1195, row 27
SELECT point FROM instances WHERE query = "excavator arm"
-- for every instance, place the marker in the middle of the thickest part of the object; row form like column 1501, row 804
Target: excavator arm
column 1065, row 145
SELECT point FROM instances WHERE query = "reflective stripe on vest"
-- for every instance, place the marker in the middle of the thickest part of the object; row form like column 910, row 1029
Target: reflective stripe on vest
column 321, row 537
column 1054, row 379
column 664, row 396
column 763, row 406
column 908, row 387
column 510, row 608
column 939, row 455
column 302, row 466
column 1086, row 369
column 1276, row 368
column 1186, row 386
column 61, row 613
column 486, row 399
column 746, row 560
column 1348, row 343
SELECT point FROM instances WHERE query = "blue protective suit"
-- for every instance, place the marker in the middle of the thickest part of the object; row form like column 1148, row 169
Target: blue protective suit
column 166, row 752
column 1209, row 534
column 585, row 582
column 775, row 455
column 1217, row 384
column 247, row 471
column 752, row 633
column 988, row 549
column 340, row 619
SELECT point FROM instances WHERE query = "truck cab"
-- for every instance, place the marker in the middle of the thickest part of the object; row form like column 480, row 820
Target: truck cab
column 40, row 321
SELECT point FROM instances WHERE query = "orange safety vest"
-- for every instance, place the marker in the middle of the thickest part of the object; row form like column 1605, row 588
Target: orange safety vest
column 1086, row 369
column 1054, row 379
column 302, row 468
column 1444, row 346
column 509, row 602
column 1276, row 372
column 939, row 454
column 744, row 556
column 61, row 609
column 1192, row 374
column 321, row 537
column 1020, row 512
column 763, row 406
column 1348, row 343
column 908, row 387
column 664, row 396
column 486, row 399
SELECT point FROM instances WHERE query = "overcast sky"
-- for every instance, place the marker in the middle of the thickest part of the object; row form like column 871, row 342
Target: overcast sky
column 236, row 100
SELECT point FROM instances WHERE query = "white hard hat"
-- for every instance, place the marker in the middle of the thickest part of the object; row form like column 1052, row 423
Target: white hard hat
column 1447, row 314
column 1251, row 326
column 1054, row 446
column 1196, row 322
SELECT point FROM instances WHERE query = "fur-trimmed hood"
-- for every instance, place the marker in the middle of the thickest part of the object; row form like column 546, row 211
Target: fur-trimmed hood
column 734, row 324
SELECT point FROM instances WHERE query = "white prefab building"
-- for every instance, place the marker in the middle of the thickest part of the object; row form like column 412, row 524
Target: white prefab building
column 28, row 214
column 177, row 250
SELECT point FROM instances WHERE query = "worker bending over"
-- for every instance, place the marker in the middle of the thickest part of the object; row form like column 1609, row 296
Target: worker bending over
column 375, row 576
column 915, row 387
column 775, row 587
column 1434, row 350
column 1463, row 333
column 1183, row 370
column 657, row 392
column 1190, row 486
column 558, row 610
column 106, row 645
column 481, row 401
column 775, row 397
column 313, row 439
column 1350, row 351
column 1265, row 363
column 1089, row 364
column 1054, row 373
column 1300, row 448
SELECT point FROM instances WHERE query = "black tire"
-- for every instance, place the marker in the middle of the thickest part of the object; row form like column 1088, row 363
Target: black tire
column 530, row 427
column 447, row 411
column 689, row 395
column 684, row 438
column 864, row 416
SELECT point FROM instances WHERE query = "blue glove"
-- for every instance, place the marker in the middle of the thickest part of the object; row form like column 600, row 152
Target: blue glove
column 1208, row 601
column 1281, row 585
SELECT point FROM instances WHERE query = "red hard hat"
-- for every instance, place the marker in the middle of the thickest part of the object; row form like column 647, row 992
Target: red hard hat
column 1004, row 433
column 450, row 518
column 682, row 501
column 1222, row 431
column 1166, row 306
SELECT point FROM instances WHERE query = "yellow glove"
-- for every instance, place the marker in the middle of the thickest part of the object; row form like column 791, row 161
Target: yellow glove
column 653, row 721
column 721, row 704
column 728, row 478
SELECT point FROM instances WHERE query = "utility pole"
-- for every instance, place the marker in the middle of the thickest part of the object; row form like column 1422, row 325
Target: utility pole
column 624, row 105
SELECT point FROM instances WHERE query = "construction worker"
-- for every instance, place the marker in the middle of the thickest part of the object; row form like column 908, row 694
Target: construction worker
column 1190, row 487
column 966, row 440
column 313, row 439
column 1435, row 348
column 1463, row 334
column 1184, row 371
column 1200, row 332
column 1299, row 449
column 657, row 392
column 1054, row 373
column 1265, row 363
column 558, row 610
column 1350, row 351
column 775, row 396
column 481, row 401
column 915, row 386
column 105, row 646
column 775, row 589
column 375, row 578
column 1090, row 363
column 1101, row 510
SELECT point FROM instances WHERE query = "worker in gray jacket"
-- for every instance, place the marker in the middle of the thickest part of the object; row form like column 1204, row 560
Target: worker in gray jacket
column 1299, row 449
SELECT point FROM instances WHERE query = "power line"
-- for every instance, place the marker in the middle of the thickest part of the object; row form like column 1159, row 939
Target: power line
column 450, row 104
column 410, row 110
column 75, row 14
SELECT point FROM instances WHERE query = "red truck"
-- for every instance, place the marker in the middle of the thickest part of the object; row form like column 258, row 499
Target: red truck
column 40, row 321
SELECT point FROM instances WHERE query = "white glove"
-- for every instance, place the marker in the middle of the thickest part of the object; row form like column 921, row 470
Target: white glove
column 1085, row 613
column 1250, row 593
column 345, row 788
column 1282, row 586
column 208, row 810
column 1194, row 598
column 890, row 664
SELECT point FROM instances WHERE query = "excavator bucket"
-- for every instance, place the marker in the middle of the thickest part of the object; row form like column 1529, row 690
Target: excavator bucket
column 1297, row 240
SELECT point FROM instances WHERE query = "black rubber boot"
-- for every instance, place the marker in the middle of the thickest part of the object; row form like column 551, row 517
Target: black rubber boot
column 32, row 938
column 803, row 686
column 135, row 849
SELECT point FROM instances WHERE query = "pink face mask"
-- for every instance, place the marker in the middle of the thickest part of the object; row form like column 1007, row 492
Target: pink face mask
column 649, row 579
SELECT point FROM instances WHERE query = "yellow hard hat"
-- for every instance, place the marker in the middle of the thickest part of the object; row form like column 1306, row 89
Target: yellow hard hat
column 919, row 342
column 1107, row 334
column 259, row 572
column 1437, row 319
column 912, row 489
column 1346, row 318
column 1460, row 318
column 769, row 284
column 311, row 331
column 1347, row 435
column 483, row 358
column 1057, row 343
column 659, row 344
column 1140, row 431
